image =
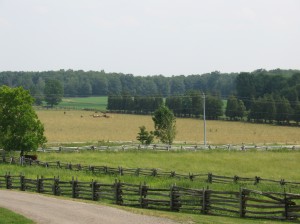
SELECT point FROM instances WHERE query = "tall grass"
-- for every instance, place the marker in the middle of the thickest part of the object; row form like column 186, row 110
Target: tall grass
column 80, row 126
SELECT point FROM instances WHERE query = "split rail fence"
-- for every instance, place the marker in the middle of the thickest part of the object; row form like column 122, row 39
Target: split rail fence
column 163, row 147
column 207, row 177
column 244, row 203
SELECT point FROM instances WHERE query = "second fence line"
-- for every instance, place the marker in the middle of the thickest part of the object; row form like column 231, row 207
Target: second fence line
column 208, row 177
column 244, row 203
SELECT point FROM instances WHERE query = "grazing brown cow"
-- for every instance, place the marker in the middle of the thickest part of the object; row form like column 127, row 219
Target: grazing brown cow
column 32, row 157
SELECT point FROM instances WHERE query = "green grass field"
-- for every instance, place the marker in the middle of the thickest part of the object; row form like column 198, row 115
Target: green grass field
column 94, row 103
column 9, row 217
column 269, row 165
column 274, row 165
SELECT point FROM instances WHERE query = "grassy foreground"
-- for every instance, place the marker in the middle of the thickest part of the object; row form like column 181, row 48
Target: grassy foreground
column 81, row 126
column 7, row 216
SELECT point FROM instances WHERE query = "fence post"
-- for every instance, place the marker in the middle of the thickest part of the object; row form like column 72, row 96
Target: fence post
column 69, row 166
column 118, row 192
column 8, row 181
column 174, row 199
column 95, row 195
column 143, row 194
column 55, row 188
column 137, row 172
column 235, row 179
column 154, row 172
column 91, row 168
column 39, row 184
column 286, row 206
column 121, row 171
column 173, row 174
column 22, row 183
column 191, row 177
column 209, row 178
column 242, row 203
column 256, row 180
column 74, row 188
column 205, row 198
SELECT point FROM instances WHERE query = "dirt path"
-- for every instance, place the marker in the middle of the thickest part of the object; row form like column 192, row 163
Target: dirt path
column 43, row 209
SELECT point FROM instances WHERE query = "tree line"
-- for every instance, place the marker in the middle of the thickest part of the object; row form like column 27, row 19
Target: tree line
column 270, row 98
column 259, row 96
column 265, row 109
column 99, row 83
column 188, row 105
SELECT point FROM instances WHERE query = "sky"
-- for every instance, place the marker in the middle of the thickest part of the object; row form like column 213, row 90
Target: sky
column 149, row 37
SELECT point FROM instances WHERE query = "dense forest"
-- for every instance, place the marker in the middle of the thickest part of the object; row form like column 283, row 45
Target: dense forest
column 91, row 83
column 259, row 96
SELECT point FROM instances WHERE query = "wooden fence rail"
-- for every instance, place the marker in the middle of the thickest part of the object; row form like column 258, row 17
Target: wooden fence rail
column 163, row 147
column 208, row 177
column 244, row 203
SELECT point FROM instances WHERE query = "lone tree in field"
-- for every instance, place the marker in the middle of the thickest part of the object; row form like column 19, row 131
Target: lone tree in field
column 53, row 92
column 164, row 124
column 144, row 136
column 20, row 128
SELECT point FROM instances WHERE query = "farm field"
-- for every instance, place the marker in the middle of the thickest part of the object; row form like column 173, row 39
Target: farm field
column 81, row 126
column 95, row 103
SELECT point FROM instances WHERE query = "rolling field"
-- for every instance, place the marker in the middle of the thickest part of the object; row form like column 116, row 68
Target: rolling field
column 81, row 126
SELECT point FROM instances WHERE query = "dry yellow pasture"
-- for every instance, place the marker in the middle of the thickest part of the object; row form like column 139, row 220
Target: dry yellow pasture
column 81, row 126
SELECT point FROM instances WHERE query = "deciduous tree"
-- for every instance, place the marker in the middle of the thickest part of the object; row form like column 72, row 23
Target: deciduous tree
column 20, row 128
column 53, row 92
column 144, row 136
column 164, row 124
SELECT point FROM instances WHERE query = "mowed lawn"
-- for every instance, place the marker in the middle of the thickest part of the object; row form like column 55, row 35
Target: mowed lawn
column 81, row 126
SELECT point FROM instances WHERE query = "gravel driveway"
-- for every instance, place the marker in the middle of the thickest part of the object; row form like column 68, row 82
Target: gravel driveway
column 43, row 209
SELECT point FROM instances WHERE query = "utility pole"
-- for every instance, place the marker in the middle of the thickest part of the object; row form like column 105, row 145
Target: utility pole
column 204, row 119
